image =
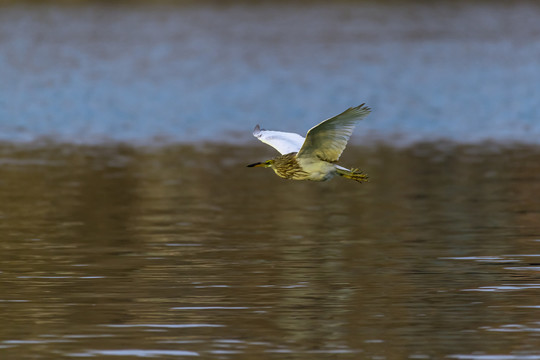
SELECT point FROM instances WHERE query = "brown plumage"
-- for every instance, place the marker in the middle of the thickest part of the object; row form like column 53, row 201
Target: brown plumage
column 287, row 167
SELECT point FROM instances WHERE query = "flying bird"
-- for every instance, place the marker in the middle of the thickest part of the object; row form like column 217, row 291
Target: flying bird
column 315, row 157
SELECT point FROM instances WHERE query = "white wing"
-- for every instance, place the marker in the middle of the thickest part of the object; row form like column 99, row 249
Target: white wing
column 283, row 142
column 327, row 140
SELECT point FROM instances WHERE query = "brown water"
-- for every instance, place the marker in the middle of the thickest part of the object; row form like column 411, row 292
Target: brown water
column 172, row 252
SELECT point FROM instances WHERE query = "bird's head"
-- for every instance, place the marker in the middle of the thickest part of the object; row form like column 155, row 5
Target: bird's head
column 267, row 163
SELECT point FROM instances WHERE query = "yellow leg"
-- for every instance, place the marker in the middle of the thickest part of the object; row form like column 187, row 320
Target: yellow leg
column 353, row 174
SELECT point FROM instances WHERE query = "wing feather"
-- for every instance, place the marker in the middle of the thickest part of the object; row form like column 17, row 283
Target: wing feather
column 284, row 142
column 327, row 140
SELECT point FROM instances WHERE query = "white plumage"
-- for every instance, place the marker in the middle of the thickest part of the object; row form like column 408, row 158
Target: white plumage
column 284, row 142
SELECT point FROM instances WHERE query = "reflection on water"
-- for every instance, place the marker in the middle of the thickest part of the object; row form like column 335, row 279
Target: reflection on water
column 179, row 251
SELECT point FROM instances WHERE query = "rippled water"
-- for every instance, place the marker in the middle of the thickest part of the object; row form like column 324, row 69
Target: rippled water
column 177, row 251
column 147, row 243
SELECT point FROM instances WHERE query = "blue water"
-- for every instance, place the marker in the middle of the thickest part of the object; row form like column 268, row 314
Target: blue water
column 146, row 74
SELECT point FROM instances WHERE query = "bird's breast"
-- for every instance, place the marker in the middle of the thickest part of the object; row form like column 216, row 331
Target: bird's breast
column 287, row 166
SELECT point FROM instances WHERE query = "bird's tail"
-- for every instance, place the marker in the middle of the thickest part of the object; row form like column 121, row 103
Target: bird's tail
column 353, row 174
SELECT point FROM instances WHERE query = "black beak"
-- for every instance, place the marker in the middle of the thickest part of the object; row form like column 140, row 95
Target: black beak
column 256, row 164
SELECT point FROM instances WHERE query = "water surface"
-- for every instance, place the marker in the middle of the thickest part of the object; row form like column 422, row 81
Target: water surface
column 464, row 71
column 179, row 251
column 129, row 229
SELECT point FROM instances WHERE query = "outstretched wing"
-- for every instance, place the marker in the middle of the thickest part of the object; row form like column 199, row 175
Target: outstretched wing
column 283, row 142
column 327, row 140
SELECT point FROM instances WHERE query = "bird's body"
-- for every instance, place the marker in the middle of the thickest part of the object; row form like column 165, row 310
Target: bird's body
column 288, row 166
column 313, row 158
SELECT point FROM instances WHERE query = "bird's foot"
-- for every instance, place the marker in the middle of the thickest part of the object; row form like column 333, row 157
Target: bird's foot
column 357, row 175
